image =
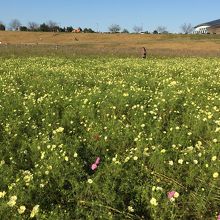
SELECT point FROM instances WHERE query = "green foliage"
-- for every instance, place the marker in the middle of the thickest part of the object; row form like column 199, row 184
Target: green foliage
column 2, row 27
column 153, row 123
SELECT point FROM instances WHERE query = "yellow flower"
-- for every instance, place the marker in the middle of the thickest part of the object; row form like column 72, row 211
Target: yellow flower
column 214, row 158
column 59, row 130
column 90, row 181
column 66, row 158
column 34, row 211
column 215, row 140
column 135, row 158
column 215, row 175
column 176, row 195
column 12, row 201
column 153, row 202
column 22, row 209
column 2, row 194
column 180, row 161
column 130, row 209
column 170, row 163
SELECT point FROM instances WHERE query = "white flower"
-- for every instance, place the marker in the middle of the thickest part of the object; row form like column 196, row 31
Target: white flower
column 75, row 154
column 172, row 199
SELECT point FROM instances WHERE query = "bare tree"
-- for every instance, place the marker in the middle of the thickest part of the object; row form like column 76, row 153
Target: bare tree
column 137, row 29
column 32, row 26
column 15, row 24
column 161, row 29
column 53, row 26
column 114, row 28
column 187, row 28
column 52, row 23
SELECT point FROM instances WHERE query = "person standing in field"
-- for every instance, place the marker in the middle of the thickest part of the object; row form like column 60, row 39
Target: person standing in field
column 144, row 53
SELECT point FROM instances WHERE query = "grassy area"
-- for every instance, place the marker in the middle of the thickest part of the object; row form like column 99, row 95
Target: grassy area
column 109, row 138
column 120, row 45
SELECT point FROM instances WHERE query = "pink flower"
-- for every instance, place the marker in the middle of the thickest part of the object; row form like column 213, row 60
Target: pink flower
column 94, row 166
column 170, row 194
column 97, row 161
column 218, row 217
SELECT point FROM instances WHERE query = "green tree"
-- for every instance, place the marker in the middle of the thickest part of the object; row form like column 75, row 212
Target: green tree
column 23, row 28
column 69, row 29
column 125, row 31
column 44, row 27
column 88, row 30
column 2, row 27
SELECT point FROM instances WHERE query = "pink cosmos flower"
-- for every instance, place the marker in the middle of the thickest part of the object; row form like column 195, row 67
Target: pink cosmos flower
column 97, row 161
column 218, row 217
column 95, row 165
column 170, row 194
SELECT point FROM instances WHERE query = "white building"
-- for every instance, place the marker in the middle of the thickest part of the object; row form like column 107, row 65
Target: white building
column 205, row 28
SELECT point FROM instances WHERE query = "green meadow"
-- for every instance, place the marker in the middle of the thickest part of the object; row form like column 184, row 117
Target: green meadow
column 109, row 138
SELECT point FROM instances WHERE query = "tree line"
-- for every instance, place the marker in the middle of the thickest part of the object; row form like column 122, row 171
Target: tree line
column 185, row 28
column 51, row 26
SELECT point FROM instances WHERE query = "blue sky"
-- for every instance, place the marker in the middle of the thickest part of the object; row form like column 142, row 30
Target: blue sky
column 100, row 14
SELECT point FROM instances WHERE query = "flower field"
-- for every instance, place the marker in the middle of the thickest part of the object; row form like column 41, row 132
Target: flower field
column 106, row 138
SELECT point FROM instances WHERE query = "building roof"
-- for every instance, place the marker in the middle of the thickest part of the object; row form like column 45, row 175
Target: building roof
column 215, row 26
column 210, row 23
